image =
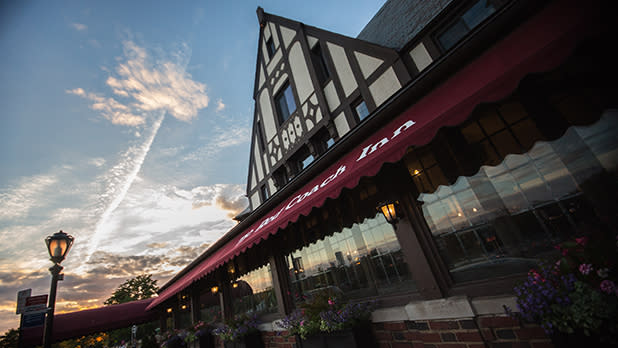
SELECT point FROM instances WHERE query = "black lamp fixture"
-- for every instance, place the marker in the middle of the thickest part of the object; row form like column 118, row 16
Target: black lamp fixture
column 58, row 246
column 390, row 209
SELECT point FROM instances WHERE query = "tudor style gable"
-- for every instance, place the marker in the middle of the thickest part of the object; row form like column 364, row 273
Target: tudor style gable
column 311, row 87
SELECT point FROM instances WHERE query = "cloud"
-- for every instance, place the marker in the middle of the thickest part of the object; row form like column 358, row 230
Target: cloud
column 79, row 26
column 119, row 180
column 142, row 84
column 110, row 108
column 16, row 202
column 97, row 162
column 231, row 136
column 220, row 105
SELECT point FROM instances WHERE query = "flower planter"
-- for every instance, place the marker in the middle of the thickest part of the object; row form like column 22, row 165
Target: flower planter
column 578, row 339
column 360, row 336
column 253, row 340
column 206, row 340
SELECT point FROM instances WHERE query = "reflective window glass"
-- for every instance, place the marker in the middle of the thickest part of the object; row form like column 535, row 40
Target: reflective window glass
column 360, row 261
column 253, row 292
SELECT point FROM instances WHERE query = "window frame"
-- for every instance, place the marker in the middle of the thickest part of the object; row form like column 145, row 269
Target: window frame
column 270, row 47
column 280, row 96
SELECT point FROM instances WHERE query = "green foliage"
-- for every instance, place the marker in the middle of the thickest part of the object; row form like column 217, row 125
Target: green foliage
column 138, row 288
column 9, row 339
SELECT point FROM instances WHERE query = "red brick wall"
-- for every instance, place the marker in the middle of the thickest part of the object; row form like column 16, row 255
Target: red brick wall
column 482, row 332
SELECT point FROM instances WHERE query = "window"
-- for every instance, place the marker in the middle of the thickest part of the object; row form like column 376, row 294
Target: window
column 360, row 109
column 281, row 177
column 260, row 136
column 307, row 161
column 319, row 64
column 270, row 47
column 253, row 292
column 465, row 23
column 322, row 141
column 360, row 261
column 285, row 104
column 264, row 193
column 210, row 309
column 527, row 193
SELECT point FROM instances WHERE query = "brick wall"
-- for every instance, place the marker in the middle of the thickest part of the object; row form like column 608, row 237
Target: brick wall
column 482, row 332
column 490, row 331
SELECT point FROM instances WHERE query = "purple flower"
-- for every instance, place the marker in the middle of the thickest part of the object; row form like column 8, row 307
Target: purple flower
column 585, row 268
column 608, row 286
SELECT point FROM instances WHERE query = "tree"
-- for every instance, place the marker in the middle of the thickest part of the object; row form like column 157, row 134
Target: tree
column 9, row 339
column 138, row 288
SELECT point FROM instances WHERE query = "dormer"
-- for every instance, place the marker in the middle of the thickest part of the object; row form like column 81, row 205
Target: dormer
column 311, row 88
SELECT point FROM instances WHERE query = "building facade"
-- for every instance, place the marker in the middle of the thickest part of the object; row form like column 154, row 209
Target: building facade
column 491, row 124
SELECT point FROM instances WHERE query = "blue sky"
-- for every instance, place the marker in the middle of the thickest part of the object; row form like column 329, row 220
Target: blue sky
column 126, row 124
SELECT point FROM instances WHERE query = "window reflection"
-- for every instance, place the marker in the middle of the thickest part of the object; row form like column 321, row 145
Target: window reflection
column 210, row 309
column 501, row 219
column 360, row 261
column 253, row 292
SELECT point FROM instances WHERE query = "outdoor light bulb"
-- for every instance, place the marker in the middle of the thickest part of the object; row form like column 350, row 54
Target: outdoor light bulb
column 474, row 210
column 235, row 285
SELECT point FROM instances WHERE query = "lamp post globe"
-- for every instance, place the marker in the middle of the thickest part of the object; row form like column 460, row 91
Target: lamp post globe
column 58, row 246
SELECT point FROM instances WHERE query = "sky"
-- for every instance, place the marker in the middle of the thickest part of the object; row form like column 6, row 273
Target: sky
column 126, row 124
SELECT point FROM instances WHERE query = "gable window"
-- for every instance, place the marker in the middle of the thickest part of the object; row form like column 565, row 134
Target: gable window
column 360, row 109
column 476, row 14
column 281, row 177
column 319, row 64
column 285, row 104
column 306, row 161
column 264, row 193
column 270, row 47
column 260, row 136
column 322, row 141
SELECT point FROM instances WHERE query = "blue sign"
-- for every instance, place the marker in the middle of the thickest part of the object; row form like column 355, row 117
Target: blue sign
column 33, row 320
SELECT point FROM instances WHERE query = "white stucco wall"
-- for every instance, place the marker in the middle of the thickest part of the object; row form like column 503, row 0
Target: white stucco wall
column 300, row 72
column 385, row 86
column 342, row 66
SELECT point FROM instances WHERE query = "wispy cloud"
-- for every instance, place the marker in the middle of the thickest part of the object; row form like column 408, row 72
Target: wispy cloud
column 142, row 85
column 17, row 201
column 79, row 26
column 230, row 136
column 220, row 105
column 121, row 176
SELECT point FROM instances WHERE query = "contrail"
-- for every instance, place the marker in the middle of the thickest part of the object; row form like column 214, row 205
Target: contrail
column 136, row 162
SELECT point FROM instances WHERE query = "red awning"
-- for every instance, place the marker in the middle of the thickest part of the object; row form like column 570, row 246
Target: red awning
column 90, row 321
column 539, row 45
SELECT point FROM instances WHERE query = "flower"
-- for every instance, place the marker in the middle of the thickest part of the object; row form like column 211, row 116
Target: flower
column 325, row 313
column 567, row 296
column 585, row 268
column 242, row 325
column 607, row 286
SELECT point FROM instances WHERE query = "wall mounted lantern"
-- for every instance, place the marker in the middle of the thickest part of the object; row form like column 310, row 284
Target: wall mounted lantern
column 391, row 211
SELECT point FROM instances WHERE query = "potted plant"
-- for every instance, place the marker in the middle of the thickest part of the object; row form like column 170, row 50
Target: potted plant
column 240, row 332
column 200, row 335
column 326, row 320
column 575, row 298
column 174, row 339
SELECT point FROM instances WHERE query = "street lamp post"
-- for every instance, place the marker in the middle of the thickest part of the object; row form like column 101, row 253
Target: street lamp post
column 58, row 246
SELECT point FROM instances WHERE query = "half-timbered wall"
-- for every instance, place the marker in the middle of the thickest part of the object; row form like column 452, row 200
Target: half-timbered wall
column 325, row 101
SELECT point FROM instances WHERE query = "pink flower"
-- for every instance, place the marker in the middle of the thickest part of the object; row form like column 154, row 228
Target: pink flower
column 331, row 302
column 302, row 322
column 608, row 286
column 582, row 241
column 585, row 268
